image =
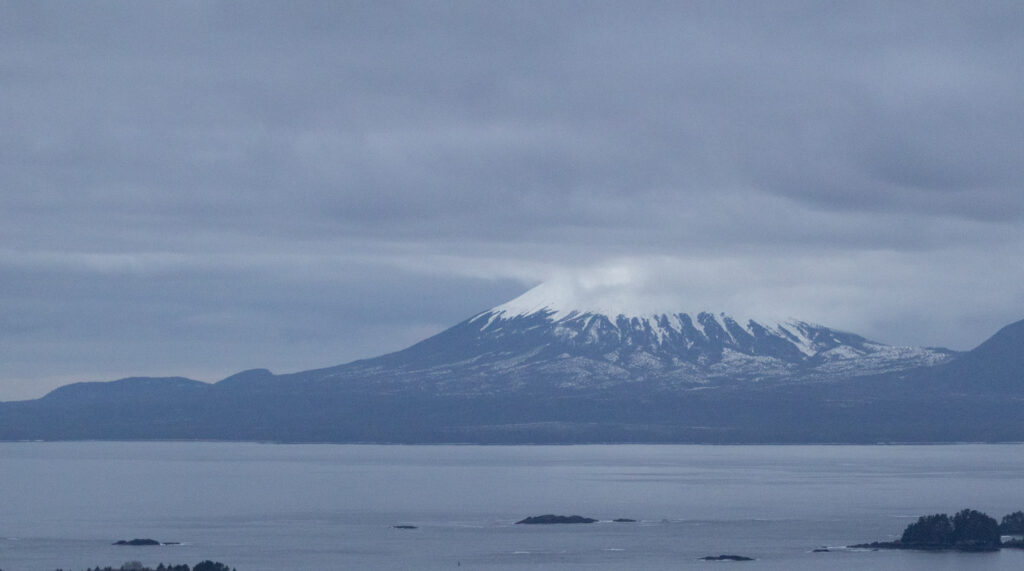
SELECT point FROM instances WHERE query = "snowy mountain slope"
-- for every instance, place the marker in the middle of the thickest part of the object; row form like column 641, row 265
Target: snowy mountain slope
column 534, row 343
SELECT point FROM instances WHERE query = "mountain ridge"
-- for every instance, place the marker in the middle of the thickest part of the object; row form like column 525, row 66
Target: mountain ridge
column 574, row 376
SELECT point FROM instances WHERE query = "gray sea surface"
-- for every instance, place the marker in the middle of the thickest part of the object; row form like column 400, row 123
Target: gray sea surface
column 262, row 507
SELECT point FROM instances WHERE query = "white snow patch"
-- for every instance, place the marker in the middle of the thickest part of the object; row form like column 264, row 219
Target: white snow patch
column 559, row 301
column 565, row 297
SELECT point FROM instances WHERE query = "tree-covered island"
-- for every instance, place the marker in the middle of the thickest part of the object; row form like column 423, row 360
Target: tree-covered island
column 968, row 530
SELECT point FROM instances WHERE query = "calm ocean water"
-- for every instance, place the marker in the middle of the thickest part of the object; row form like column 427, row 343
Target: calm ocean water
column 263, row 507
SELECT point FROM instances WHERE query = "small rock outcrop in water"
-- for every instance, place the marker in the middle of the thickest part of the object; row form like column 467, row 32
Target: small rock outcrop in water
column 404, row 526
column 726, row 558
column 551, row 518
column 624, row 520
column 137, row 566
column 137, row 541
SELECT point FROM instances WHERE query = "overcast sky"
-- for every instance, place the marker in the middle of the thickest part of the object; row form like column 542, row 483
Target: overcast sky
column 197, row 188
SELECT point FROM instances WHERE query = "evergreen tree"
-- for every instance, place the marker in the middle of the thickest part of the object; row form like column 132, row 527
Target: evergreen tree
column 973, row 529
column 929, row 530
column 1013, row 524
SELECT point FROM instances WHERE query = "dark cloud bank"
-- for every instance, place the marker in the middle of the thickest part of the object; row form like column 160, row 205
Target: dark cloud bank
column 198, row 188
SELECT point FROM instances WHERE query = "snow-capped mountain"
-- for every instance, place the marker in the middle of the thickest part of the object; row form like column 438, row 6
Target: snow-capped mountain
column 549, row 367
column 544, row 340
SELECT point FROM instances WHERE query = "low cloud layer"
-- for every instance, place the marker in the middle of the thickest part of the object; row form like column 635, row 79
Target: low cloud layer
column 200, row 188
